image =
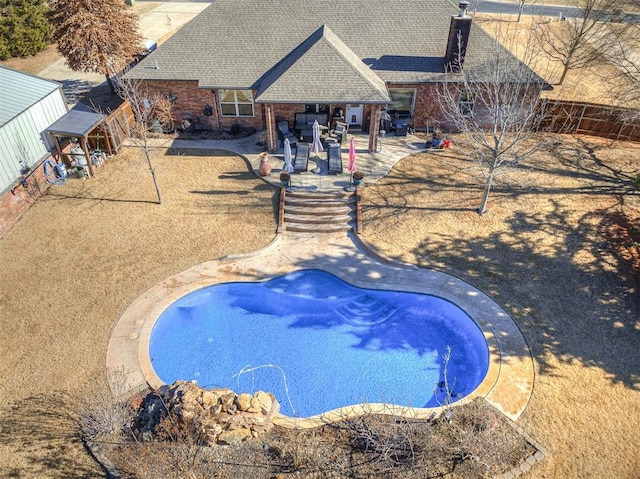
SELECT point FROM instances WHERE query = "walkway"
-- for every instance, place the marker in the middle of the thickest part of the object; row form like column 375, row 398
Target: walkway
column 373, row 165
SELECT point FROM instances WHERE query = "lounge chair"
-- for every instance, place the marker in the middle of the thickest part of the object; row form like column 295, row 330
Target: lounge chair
column 334, row 157
column 285, row 132
column 301, row 161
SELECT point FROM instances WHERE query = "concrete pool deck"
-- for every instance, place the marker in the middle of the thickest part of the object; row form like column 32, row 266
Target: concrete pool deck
column 509, row 381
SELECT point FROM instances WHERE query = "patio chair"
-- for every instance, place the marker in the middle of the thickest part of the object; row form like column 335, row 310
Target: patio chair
column 339, row 132
column 301, row 161
column 334, row 158
column 285, row 132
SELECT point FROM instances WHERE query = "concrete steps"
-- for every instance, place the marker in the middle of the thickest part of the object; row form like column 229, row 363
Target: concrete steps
column 312, row 212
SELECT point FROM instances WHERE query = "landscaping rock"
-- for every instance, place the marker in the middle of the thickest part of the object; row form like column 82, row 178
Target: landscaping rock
column 217, row 416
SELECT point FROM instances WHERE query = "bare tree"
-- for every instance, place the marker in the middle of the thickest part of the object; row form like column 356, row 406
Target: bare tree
column 624, row 53
column 578, row 40
column 521, row 4
column 495, row 106
column 99, row 36
column 151, row 112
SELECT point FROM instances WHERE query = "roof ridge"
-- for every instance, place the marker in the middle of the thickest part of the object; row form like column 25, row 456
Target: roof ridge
column 323, row 34
column 355, row 61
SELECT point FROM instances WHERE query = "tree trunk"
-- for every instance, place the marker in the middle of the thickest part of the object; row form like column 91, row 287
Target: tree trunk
column 487, row 189
column 153, row 174
column 155, row 183
column 565, row 70
column 111, row 87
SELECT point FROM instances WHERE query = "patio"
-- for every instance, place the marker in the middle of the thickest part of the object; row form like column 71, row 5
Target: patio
column 373, row 165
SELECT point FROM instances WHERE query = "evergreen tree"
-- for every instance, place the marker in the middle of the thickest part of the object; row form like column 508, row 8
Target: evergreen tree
column 99, row 36
column 25, row 28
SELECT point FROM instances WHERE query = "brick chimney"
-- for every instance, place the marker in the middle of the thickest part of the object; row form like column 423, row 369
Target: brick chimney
column 458, row 37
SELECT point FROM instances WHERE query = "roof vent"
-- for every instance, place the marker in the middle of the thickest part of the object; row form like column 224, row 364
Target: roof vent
column 463, row 8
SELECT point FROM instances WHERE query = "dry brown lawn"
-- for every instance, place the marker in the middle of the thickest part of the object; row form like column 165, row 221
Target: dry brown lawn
column 600, row 83
column 78, row 258
column 84, row 251
column 546, row 251
column 543, row 252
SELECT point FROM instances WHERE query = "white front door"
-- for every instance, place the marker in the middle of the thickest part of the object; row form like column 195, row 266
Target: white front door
column 354, row 115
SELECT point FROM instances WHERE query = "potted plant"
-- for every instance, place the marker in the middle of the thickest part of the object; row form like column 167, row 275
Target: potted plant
column 285, row 177
column 357, row 177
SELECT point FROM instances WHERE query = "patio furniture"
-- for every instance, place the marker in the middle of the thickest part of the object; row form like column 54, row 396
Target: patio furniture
column 334, row 158
column 400, row 125
column 301, row 162
column 340, row 132
column 285, row 132
column 304, row 123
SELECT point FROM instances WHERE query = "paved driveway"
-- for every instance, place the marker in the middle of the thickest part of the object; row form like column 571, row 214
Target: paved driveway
column 157, row 24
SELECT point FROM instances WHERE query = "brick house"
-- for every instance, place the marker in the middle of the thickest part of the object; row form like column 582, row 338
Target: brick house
column 260, row 61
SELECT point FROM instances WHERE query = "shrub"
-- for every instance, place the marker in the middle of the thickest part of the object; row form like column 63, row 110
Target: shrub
column 25, row 28
column 235, row 128
column 102, row 412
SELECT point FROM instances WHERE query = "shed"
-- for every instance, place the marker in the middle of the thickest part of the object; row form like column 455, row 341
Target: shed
column 76, row 123
column 29, row 104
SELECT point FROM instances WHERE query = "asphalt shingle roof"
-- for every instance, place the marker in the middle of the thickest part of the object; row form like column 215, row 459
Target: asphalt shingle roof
column 331, row 72
column 240, row 44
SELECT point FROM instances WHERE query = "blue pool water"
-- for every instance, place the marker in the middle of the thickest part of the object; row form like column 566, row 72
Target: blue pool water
column 318, row 343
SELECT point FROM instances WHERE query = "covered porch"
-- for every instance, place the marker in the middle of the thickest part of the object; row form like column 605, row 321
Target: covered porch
column 322, row 70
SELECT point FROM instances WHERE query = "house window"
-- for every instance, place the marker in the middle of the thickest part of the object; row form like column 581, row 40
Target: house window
column 467, row 102
column 236, row 102
column 401, row 101
column 316, row 108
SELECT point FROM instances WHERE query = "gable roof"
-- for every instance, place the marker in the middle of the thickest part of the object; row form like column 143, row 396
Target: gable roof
column 282, row 47
column 20, row 91
column 333, row 71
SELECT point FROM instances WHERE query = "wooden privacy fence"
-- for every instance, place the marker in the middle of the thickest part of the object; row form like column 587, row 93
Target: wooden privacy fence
column 110, row 135
column 588, row 119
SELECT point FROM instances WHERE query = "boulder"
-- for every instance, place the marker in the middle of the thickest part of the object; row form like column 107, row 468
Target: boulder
column 222, row 415
column 235, row 436
column 243, row 401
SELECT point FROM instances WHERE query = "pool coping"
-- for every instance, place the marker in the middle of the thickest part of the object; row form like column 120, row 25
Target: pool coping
column 507, row 385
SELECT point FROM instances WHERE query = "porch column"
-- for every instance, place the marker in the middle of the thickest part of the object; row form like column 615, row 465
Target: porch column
column 215, row 118
column 83, row 143
column 374, row 128
column 272, row 133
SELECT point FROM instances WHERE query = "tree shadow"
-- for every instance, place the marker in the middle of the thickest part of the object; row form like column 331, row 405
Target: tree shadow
column 554, row 270
column 571, row 301
column 42, row 430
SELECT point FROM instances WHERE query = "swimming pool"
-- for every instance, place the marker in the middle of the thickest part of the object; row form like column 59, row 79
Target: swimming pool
column 319, row 343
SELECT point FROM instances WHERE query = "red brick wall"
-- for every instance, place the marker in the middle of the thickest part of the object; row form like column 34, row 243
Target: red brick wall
column 191, row 100
column 287, row 112
column 425, row 105
column 13, row 206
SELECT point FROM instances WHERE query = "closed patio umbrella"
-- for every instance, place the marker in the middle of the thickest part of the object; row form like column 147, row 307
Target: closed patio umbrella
column 352, row 162
column 316, row 146
column 288, row 166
